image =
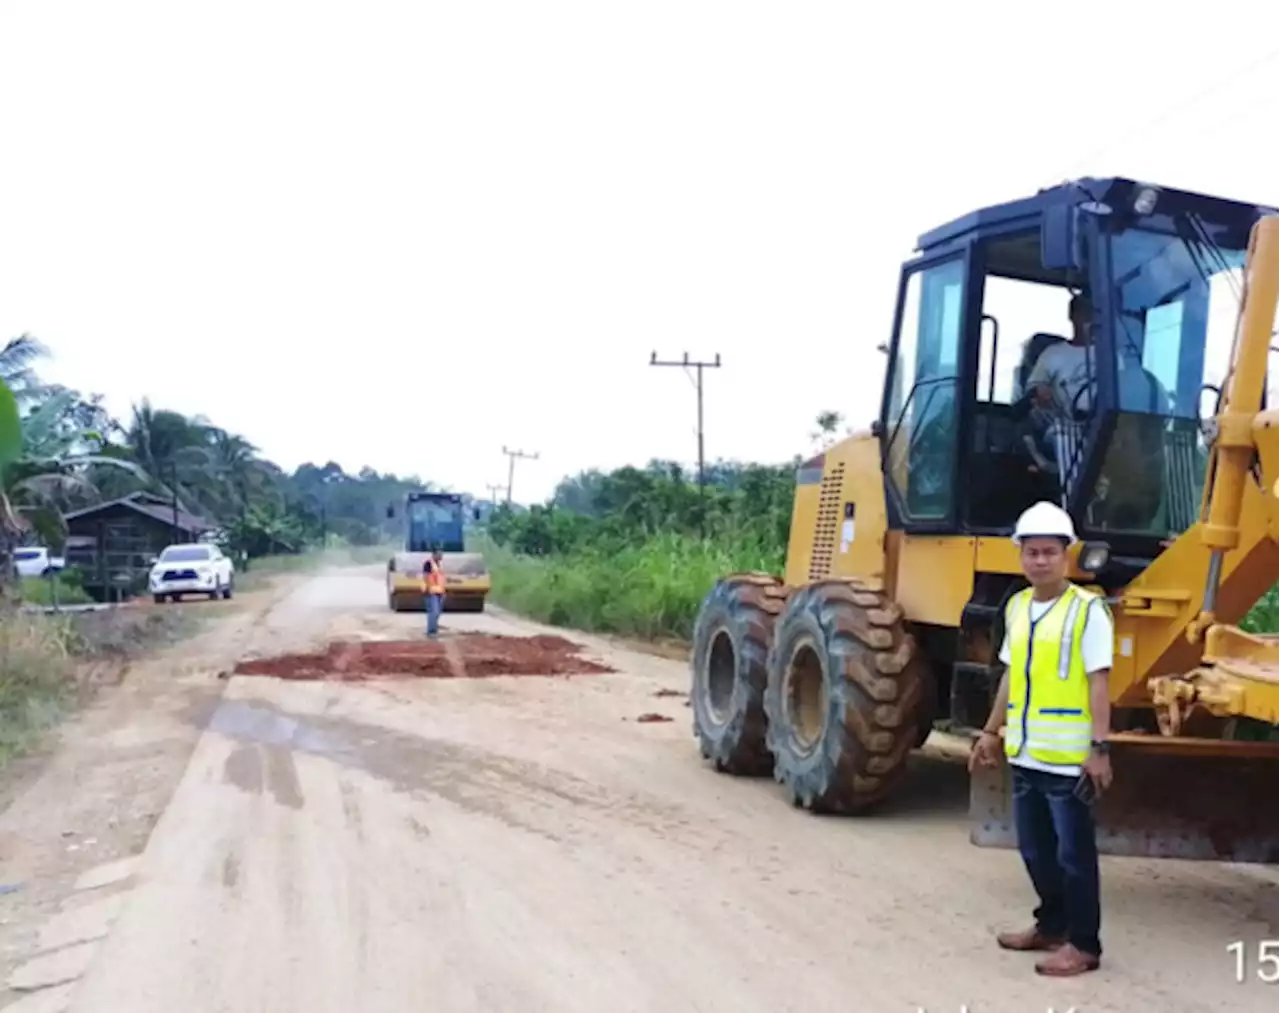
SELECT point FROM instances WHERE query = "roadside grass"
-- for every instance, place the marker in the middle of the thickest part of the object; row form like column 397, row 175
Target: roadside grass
column 37, row 677
column 46, row 658
column 650, row 592
column 64, row 588
column 43, row 660
column 653, row 591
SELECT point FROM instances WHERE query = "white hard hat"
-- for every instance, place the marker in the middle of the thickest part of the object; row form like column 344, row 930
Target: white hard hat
column 1044, row 520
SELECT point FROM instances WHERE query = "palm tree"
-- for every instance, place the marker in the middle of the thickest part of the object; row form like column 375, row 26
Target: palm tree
column 54, row 469
column 16, row 372
column 242, row 475
column 45, row 464
column 173, row 451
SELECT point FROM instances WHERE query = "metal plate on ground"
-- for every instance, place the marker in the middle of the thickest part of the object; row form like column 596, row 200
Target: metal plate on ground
column 1159, row 806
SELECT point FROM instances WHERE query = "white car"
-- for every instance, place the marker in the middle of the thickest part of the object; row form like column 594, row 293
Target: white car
column 31, row 561
column 192, row 569
column 35, row 561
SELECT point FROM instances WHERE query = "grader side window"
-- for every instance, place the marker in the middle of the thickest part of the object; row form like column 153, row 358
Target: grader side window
column 922, row 406
column 1174, row 305
column 1020, row 319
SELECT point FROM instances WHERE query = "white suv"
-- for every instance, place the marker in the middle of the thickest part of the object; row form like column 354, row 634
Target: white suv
column 192, row 569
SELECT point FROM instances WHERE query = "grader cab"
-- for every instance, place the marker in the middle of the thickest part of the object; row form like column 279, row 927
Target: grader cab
column 889, row 617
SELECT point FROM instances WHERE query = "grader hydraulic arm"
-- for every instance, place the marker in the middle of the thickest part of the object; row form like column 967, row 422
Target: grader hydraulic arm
column 1236, row 674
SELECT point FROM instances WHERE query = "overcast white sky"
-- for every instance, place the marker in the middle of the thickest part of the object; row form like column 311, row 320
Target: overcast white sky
column 405, row 234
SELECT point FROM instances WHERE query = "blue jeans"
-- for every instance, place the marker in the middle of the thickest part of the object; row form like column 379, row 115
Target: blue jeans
column 435, row 604
column 1057, row 840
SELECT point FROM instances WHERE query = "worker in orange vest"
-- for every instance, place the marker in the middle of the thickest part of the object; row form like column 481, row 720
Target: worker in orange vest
column 433, row 588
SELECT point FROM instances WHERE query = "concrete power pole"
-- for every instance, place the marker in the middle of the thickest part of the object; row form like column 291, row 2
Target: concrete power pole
column 699, row 366
column 493, row 494
column 513, row 455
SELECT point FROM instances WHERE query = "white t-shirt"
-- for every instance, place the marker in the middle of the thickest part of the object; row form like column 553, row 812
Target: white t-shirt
column 1096, row 647
column 1065, row 369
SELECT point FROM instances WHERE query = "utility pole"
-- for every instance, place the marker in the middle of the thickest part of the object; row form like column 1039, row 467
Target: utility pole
column 699, row 366
column 493, row 494
column 173, row 489
column 511, row 467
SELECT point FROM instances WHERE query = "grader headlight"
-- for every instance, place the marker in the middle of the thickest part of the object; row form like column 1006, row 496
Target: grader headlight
column 1094, row 556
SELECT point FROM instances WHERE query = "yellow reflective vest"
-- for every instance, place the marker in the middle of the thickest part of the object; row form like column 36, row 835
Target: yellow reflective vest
column 1049, row 718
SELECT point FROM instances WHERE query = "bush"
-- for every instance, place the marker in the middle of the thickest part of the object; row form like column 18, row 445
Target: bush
column 41, row 590
column 626, row 553
column 650, row 590
column 623, row 552
column 40, row 657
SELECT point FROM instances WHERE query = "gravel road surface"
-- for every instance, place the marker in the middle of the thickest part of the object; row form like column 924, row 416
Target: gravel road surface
column 200, row 841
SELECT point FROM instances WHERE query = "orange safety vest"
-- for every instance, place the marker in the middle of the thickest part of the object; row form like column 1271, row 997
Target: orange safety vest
column 433, row 582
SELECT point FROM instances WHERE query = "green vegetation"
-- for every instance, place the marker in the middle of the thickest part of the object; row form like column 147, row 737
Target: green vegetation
column 623, row 552
column 36, row 678
column 64, row 589
column 61, row 451
column 41, row 658
column 1263, row 618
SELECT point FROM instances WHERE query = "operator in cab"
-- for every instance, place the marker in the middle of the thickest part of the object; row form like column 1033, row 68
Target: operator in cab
column 433, row 589
column 1062, row 375
column 1054, row 707
column 1058, row 386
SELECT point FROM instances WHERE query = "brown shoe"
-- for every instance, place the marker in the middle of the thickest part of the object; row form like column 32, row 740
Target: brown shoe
column 1028, row 940
column 1067, row 961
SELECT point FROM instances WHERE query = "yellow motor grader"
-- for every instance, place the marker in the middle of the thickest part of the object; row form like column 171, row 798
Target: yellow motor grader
column 889, row 618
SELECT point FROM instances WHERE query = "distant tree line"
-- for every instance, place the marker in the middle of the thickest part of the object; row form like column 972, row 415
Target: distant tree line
column 61, row 451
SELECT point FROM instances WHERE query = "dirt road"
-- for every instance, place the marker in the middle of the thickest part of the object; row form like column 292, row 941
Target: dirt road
column 527, row 844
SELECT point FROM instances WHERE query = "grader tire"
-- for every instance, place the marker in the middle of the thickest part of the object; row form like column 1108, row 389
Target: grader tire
column 846, row 686
column 730, row 651
column 927, row 712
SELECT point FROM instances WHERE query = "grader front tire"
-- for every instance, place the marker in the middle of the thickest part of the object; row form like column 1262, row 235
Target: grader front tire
column 844, row 697
column 730, row 651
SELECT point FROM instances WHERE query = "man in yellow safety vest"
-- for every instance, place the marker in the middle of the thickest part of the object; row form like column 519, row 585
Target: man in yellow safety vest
column 1055, row 709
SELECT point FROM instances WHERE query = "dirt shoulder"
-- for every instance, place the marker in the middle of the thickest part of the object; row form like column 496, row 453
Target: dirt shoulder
column 91, row 791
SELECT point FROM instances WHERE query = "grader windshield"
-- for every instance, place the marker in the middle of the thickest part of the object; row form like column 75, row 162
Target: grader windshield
column 1064, row 347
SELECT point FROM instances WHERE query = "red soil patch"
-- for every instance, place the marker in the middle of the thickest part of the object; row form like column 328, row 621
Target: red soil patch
column 649, row 719
column 469, row 656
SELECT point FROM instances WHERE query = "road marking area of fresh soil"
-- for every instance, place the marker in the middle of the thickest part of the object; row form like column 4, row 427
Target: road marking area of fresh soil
column 465, row 656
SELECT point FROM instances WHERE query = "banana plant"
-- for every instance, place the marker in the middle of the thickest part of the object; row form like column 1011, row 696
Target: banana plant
column 10, row 453
column 46, row 462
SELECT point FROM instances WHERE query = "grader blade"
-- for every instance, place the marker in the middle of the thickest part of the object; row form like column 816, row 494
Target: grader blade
column 1170, row 798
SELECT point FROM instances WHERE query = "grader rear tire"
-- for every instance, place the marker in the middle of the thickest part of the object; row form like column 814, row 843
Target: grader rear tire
column 844, row 697
column 730, row 650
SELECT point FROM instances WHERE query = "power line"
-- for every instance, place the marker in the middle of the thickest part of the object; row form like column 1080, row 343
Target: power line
column 513, row 455
column 698, row 366
column 1166, row 114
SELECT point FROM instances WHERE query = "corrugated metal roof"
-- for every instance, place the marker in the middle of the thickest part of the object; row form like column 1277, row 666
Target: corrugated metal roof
column 147, row 504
